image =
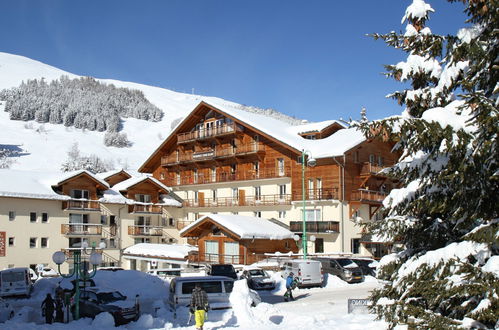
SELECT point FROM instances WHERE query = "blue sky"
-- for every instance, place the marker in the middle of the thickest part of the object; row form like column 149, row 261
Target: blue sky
column 309, row 59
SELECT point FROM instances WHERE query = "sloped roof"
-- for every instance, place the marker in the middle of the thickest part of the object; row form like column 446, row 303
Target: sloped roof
column 245, row 227
column 124, row 185
column 29, row 184
column 69, row 175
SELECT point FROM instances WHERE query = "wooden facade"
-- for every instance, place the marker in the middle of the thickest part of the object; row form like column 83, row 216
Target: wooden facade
column 209, row 232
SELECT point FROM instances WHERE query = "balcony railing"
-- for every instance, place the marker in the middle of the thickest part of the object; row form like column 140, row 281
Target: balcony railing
column 262, row 200
column 142, row 208
column 77, row 204
column 315, row 226
column 227, row 176
column 364, row 195
column 368, row 168
column 212, row 154
column 182, row 224
column 206, row 133
column 318, row 194
column 81, row 229
column 140, row 230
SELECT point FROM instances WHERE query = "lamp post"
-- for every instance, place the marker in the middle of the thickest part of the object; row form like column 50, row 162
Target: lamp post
column 305, row 162
column 79, row 272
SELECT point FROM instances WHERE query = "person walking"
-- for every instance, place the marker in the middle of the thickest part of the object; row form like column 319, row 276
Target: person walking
column 290, row 285
column 48, row 307
column 199, row 305
column 59, row 311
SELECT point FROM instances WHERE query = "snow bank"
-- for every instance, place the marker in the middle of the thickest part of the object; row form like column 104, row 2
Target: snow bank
column 103, row 321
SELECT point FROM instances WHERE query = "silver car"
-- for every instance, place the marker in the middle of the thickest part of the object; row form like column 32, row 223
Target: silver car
column 258, row 279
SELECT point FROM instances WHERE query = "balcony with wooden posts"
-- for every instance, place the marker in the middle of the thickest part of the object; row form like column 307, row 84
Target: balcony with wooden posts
column 145, row 209
column 372, row 169
column 262, row 200
column 317, row 194
column 368, row 196
column 208, row 133
column 81, row 204
column 228, row 176
column 315, row 226
column 143, row 230
column 81, row 229
column 216, row 153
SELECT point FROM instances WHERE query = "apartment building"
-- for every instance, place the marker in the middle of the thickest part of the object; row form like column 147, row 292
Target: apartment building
column 221, row 159
column 42, row 212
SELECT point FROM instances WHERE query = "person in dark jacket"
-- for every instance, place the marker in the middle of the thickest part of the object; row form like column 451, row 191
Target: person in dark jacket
column 59, row 311
column 199, row 305
column 290, row 285
column 48, row 307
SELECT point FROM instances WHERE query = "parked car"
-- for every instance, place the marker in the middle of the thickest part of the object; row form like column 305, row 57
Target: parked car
column 308, row 272
column 218, row 289
column 94, row 301
column 6, row 310
column 48, row 272
column 15, row 282
column 258, row 279
column 221, row 270
column 367, row 265
column 109, row 269
column 344, row 268
column 166, row 272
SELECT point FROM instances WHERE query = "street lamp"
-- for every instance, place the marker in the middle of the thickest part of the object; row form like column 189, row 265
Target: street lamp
column 79, row 272
column 305, row 162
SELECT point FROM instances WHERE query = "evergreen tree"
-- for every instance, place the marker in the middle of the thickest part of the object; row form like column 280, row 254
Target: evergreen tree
column 445, row 214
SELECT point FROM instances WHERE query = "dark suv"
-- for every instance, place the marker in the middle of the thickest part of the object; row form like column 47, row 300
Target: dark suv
column 222, row 270
column 94, row 301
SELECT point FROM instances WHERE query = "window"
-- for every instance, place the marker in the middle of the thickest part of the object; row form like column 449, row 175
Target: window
column 12, row 241
column 213, row 174
column 380, row 161
column 355, row 245
column 78, row 218
column 282, row 191
column 112, row 243
column 178, row 177
column 280, row 166
column 143, row 221
column 235, row 194
column 257, row 214
column 195, row 174
column 143, row 198
column 44, row 242
column 372, row 159
column 233, row 168
column 196, row 216
column 356, row 156
column 282, row 214
column 78, row 194
column 196, row 197
column 214, row 194
column 112, row 220
column 256, row 167
column 313, row 215
column 32, row 242
column 45, row 217
column 103, row 219
column 258, row 193
column 32, row 216
column 171, row 222
column 12, row 215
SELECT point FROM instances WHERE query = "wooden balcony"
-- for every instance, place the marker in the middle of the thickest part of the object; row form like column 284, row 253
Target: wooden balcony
column 81, row 229
column 368, row 196
column 213, row 154
column 263, row 200
column 315, row 226
column 145, row 208
column 78, row 204
column 317, row 194
column 214, row 132
column 226, row 177
column 371, row 169
column 142, row 230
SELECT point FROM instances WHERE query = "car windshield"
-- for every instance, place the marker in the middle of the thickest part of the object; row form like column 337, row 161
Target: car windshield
column 222, row 269
column 110, row 296
column 13, row 276
column 346, row 263
column 257, row 272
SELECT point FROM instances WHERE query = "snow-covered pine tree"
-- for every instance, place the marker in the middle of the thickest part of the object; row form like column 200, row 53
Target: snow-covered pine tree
column 445, row 213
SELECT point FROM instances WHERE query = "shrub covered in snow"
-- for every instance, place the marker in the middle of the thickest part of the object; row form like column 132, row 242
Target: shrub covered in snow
column 445, row 214
column 115, row 139
column 91, row 163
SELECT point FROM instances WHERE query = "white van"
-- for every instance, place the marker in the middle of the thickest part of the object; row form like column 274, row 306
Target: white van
column 15, row 282
column 308, row 272
column 218, row 289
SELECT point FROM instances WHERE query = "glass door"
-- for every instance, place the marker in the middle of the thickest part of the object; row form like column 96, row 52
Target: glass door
column 231, row 254
column 211, row 251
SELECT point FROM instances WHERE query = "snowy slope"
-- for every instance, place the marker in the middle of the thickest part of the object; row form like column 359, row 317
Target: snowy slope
column 46, row 150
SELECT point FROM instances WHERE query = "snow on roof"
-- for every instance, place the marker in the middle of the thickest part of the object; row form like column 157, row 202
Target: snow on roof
column 177, row 251
column 246, row 227
column 170, row 201
column 107, row 174
column 29, row 184
column 335, row 145
column 124, row 185
column 69, row 175
column 314, row 127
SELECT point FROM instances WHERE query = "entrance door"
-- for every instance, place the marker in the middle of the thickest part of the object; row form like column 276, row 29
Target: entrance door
column 319, row 245
column 231, row 254
column 211, row 251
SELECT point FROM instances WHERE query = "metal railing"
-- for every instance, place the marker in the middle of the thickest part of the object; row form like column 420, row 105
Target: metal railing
column 318, row 194
column 315, row 226
column 77, row 204
column 81, row 229
column 143, row 230
column 209, row 132
column 262, row 200
column 368, row 195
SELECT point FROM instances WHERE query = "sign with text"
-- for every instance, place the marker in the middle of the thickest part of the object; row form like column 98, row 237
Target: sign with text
column 3, row 243
column 358, row 306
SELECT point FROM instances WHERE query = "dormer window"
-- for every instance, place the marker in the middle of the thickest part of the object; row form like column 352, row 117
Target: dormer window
column 79, row 194
column 143, row 198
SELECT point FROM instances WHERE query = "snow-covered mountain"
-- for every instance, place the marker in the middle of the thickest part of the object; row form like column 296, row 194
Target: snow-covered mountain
column 45, row 146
